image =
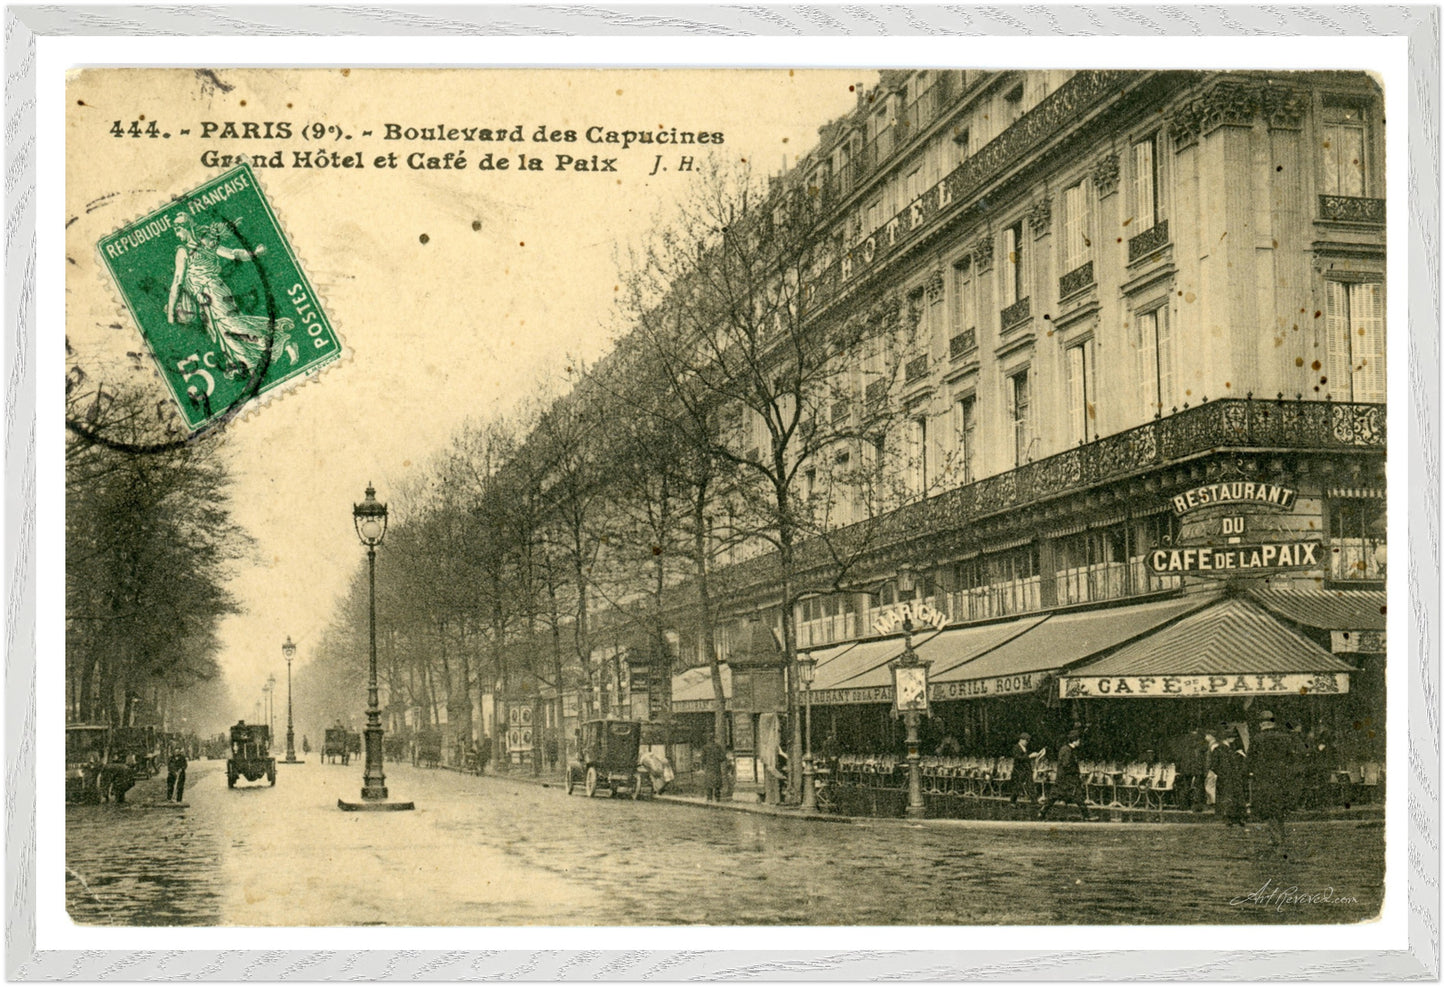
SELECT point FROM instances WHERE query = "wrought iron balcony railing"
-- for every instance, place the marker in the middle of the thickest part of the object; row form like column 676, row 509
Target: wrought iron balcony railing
column 1149, row 241
column 1076, row 280
column 916, row 369
column 1232, row 423
column 1352, row 209
column 875, row 393
column 963, row 344
column 1016, row 314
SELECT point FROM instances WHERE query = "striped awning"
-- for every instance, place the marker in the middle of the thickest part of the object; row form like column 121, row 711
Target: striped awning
column 1330, row 610
column 1232, row 648
column 1020, row 663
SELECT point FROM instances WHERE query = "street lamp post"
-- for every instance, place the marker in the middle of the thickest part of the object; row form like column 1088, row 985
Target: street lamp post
column 910, row 698
column 369, row 516
column 289, row 650
column 271, row 705
column 807, row 665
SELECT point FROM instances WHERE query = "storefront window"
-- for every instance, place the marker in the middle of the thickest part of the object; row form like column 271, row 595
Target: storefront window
column 1357, row 539
column 996, row 585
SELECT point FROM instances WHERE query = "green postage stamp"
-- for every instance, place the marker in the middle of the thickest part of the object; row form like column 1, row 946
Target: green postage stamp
column 220, row 297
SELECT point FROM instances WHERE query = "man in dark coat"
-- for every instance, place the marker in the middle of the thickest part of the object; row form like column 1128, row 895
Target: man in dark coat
column 176, row 776
column 1021, row 778
column 1226, row 760
column 116, row 778
column 1068, row 779
column 1274, row 760
column 713, row 760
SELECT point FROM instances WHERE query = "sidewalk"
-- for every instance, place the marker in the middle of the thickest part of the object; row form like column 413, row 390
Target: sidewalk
column 993, row 812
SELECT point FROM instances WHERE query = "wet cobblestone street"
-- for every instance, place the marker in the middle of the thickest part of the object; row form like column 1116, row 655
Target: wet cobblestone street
column 494, row 851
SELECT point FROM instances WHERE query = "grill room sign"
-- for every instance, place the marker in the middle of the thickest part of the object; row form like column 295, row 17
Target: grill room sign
column 1235, row 684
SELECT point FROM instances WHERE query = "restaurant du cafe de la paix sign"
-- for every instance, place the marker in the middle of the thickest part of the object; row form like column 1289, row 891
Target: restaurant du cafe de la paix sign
column 1235, row 505
column 1229, row 550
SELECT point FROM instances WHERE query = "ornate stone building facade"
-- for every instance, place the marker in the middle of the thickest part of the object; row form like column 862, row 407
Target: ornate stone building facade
column 1122, row 287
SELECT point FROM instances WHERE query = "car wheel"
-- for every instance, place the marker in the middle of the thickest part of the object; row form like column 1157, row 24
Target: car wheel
column 591, row 782
column 636, row 787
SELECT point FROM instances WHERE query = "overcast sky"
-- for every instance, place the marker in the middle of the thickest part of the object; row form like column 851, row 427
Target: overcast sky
column 516, row 276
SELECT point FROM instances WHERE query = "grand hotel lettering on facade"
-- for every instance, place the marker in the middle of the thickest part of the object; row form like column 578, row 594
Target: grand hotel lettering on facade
column 1145, row 309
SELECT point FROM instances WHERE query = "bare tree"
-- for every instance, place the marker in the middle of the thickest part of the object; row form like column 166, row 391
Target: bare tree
column 728, row 312
column 150, row 543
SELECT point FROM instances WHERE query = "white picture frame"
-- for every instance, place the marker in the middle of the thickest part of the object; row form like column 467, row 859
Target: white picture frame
column 1417, row 958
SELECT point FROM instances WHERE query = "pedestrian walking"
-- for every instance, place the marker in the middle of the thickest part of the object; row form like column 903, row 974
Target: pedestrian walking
column 1274, row 763
column 176, row 776
column 550, row 747
column 1021, row 778
column 484, row 754
column 305, row 745
column 713, row 760
column 1231, row 772
column 1068, row 779
column 1191, row 755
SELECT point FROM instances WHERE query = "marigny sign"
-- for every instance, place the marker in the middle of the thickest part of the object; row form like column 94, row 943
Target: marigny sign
column 921, row 614
column 1252, row 684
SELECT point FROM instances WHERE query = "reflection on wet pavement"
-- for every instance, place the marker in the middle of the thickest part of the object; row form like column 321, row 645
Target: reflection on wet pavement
column 490, row 851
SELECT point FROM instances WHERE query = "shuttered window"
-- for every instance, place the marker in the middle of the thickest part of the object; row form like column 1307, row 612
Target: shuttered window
column 963, row 423
column 1018, row 411
column 1082, row 426
column 1344, row 151
column 1155, row 345
column 1144, row 206
column 1015, row 265
column 1077, row 234
column 964, row 316
column 1355, row 319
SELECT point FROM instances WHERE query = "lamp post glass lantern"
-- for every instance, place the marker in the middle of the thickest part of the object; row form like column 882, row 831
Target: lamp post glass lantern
column 807, row 667
column 369, row 517
column 289, row 651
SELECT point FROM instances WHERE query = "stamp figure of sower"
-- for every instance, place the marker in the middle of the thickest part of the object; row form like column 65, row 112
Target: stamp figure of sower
column 218, row 292
column 199, row 291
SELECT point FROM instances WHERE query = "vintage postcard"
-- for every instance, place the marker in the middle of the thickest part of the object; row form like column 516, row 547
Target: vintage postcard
column 927, row 496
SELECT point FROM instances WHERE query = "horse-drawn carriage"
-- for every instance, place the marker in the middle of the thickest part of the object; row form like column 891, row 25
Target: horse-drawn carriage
column 336, row 746
column 250, row 754
column 429, row 748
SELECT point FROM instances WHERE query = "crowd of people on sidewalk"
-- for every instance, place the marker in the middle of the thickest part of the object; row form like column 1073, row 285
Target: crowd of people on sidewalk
column 1265, row 782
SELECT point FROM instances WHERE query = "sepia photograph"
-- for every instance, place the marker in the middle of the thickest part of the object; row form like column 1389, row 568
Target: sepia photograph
column 874, row 496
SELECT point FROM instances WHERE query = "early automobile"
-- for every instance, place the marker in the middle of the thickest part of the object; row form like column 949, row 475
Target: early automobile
column 250, row 754
column 607, row 758
column 87, row 748
column 138, row 747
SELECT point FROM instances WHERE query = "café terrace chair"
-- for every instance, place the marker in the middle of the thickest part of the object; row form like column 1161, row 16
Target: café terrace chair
column 1136, row 780
column 1003, row 773
column 1161, row 786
